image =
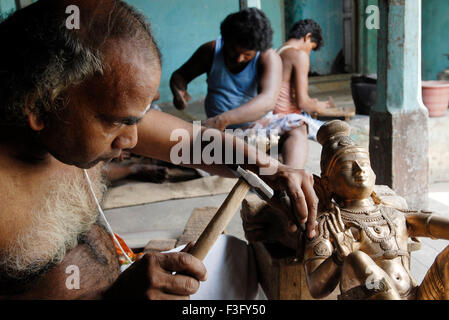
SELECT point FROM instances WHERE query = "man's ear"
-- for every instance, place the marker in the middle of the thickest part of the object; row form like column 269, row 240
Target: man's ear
column 308, row 37
column 34, row 120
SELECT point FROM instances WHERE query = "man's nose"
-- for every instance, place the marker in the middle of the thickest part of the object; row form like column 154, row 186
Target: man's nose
column 127, row 139
column 241, row 58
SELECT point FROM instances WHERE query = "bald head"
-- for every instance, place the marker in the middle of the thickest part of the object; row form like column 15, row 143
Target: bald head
column 104, row 20
column 44, row 58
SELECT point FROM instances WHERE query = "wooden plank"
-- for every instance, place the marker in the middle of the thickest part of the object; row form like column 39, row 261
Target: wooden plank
column 346, row 112
column 283, row 278
column 160, row 245
column 197, row 222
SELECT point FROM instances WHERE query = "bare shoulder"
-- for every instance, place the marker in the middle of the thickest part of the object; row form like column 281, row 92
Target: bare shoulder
column 270, row 54
column 295, row 57
column 200, row 61
column 207, row 48
column 269, row 58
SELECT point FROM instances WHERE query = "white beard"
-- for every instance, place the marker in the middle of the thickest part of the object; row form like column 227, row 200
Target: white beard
column 68, row 211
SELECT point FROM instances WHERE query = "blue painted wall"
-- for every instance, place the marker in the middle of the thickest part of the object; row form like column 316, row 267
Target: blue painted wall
column 274, row 9
column 6, row 7
column 329, row 15
column 435, row 43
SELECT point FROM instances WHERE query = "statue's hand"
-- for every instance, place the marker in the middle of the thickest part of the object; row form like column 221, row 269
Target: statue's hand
column 341, row 237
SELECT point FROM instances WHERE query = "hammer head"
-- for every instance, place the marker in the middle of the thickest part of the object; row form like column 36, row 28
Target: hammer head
column 263, row 190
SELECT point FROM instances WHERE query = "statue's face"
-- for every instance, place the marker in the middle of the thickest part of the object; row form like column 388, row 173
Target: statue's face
column 352, row 178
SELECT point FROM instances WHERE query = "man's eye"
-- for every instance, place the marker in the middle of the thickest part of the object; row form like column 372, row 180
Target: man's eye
column 128, row 122
column 115, row 124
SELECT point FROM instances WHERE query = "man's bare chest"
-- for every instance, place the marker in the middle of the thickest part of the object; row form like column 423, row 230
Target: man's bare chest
column 84, row 273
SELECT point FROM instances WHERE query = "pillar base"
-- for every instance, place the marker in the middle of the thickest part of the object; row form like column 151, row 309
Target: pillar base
column 399, row 153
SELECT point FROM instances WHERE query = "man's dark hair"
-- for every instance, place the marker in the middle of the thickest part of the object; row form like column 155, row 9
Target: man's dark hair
column 41, row 57
column 301, row 28
column 248, row 29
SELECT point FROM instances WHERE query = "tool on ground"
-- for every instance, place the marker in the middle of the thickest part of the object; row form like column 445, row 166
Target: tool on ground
column 217, row 225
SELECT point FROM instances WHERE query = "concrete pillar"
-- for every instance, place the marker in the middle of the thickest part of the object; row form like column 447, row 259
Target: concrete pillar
column 398, row 123
column 23, row 3
column 250, row 4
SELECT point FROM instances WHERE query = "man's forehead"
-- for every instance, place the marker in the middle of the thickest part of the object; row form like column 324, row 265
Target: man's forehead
column 128, row 74
column 118, row 93
column 237, row 47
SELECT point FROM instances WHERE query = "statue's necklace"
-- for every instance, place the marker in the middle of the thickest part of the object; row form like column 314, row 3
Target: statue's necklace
column 361, row 211
column 371, row 219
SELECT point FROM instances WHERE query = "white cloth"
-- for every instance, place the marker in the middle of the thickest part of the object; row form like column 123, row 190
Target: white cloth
column 231, row 271
column 282, row 123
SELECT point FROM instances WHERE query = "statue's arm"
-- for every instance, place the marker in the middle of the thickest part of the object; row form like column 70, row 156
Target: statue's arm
column 323, row 270
column 430, row 225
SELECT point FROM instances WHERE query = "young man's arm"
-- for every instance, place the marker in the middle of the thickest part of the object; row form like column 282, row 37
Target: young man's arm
column 301, row 66
column 199, row 63
column 270, row 67
column 159, row 137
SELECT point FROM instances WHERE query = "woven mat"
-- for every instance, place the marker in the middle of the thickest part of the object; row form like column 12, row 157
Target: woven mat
column 138, row 193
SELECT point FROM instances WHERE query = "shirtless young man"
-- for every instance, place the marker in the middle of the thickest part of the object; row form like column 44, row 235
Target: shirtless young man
column 74, row 99
column 303, row 38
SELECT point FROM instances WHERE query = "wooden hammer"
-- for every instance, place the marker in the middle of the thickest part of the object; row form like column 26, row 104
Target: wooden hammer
column 217, row 225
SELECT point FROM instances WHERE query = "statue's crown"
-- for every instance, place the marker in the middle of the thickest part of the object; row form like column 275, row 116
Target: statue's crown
column 334, row 137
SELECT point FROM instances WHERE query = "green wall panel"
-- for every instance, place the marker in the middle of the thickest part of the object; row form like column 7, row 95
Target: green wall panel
column 435, row 44
column 329, row 15
column 6, row 7
column 180, row 27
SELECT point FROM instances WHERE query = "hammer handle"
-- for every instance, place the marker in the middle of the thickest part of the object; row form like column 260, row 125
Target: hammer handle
column 220, row 220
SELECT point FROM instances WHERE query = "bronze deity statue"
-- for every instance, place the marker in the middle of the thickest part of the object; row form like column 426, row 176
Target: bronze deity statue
column 361, row 242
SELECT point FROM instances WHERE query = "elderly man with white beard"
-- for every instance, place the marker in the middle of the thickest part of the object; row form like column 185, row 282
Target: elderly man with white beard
column 73, row 99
